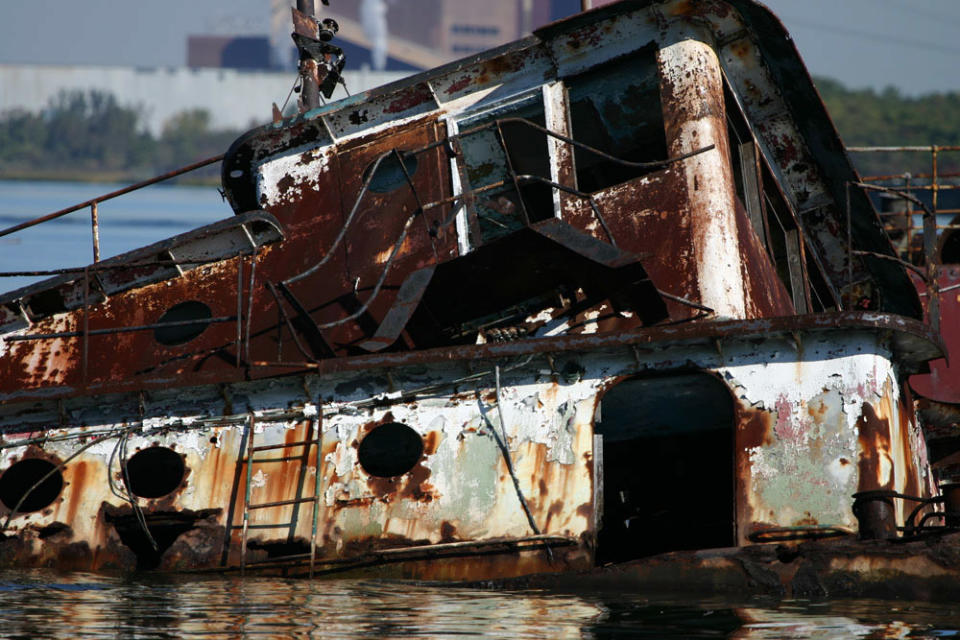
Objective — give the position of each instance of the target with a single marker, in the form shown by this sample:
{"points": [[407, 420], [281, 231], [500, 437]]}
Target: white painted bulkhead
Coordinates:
{"points": [[802, 470]]}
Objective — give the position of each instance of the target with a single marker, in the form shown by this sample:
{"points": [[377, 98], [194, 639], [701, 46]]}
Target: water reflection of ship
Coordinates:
{"points": [[608, 291]]}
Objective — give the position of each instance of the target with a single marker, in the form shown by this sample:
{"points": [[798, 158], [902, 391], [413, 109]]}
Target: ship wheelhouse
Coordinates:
{"points": [[602, 293]]}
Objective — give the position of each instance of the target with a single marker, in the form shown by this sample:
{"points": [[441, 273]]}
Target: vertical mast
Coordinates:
{"points": [[310, 92]]}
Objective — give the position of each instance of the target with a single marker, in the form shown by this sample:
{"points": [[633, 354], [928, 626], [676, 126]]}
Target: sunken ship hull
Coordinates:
{"points": [[596, 295]]}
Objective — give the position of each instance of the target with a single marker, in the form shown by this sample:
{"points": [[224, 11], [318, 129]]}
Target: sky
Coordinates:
{"points": [[908, 44]]}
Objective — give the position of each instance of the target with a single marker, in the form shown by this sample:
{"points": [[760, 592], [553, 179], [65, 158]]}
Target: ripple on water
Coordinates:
{"points": [[40, 604]]}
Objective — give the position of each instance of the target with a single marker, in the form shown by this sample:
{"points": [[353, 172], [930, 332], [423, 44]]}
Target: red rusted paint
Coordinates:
{"points": [[413, 97], [460, 84], [943, 382]]}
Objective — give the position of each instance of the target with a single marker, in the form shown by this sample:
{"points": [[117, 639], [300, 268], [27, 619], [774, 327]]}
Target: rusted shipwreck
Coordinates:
{"points": [[609, 291]]}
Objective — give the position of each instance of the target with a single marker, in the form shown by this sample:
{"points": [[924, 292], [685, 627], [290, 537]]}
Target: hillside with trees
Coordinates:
{"points": [[90, 136], [865, 117]]}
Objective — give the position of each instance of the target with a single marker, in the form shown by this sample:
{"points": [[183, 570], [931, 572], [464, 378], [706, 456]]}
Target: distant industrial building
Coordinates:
{"points": [[235, 99], [405, 35], [229, 52]]}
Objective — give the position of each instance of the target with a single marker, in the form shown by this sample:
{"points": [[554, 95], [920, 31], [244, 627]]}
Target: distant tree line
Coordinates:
{"points": [[865, 117], [89, 135]]}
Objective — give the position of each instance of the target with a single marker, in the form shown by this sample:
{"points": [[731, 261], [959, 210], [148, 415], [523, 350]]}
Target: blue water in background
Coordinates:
{"points": [[128, 222]]}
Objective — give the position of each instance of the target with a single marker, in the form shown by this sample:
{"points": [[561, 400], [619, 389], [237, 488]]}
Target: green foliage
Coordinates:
{"points": [[89, 133], [865, 117]]}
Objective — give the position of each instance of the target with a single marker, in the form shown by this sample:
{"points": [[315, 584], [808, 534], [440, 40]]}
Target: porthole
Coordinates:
{"points": [[390, 450], [183, 333], [389, 175], [16, 482], [154, 472]]}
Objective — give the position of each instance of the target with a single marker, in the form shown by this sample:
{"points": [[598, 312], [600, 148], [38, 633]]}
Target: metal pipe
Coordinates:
{"points": [[104, 332], [586, 5], [310, 91], [933, 180], [905, 148], [102, 267], [316, 489], [111, 195], [850, 301], [95, 223], [248, 490], [85, 346]]}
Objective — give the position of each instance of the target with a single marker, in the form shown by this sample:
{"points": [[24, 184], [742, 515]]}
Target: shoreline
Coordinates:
{"points": [[107, 177]]}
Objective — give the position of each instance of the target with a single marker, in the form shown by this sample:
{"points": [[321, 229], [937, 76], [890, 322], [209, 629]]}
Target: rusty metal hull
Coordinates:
{"points": [[819, 414], [923, 570], [515, 315]]}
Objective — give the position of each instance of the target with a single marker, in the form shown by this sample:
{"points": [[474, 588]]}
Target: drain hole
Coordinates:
{"points": [[390, 450], [155, 472], [183, 333], [16, 482]]}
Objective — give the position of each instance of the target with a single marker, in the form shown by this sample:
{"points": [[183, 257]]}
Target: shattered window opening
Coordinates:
{"points": [[785, 244], [499, 210], [744, 161], [390, 175], [772, 217], [616, 108]]}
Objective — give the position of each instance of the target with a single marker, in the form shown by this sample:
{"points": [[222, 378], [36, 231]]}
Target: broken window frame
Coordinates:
{"points": [[553, 100], [573, 180], [772, 216]]}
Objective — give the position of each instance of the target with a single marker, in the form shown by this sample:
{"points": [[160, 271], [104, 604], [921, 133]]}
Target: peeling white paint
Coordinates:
{"points": [[688, 68], [300, 169]]}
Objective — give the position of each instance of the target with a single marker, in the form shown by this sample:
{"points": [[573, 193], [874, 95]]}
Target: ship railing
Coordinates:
{"points": [[461, 201], [94, 204], [905, 220], [917, 223]]}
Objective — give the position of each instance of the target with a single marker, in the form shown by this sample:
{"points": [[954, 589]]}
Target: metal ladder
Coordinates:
{"points": [[313, 439]]}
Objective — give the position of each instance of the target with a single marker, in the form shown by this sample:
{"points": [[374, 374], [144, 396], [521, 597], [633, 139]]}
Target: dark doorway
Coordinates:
{"points": [[667, 466]]}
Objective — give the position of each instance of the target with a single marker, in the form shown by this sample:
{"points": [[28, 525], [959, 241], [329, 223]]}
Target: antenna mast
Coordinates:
{"points": [[321, 63]]}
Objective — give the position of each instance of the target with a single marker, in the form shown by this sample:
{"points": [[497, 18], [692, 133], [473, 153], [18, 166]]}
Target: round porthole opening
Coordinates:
{"points": [[389, 175], [17, 481], [195, 317], [390, 450], [154, 472]]}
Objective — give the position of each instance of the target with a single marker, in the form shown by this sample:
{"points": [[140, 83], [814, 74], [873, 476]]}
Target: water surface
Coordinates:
{"points": [[128, 222], [41, 604]]}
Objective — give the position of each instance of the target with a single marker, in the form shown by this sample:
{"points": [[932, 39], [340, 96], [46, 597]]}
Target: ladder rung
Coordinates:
{"points": [[280, 503], [285, 525], [268, 447], [259, 460]]}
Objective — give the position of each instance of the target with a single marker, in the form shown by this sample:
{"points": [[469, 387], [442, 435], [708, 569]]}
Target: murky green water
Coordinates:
{"points": [[39, 604]]}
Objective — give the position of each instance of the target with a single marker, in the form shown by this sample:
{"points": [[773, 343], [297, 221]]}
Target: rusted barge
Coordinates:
{"points": [[606, 292]]}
